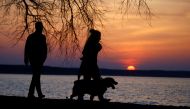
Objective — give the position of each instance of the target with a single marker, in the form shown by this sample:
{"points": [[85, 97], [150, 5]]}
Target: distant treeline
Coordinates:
{"points": [[21, 69]]}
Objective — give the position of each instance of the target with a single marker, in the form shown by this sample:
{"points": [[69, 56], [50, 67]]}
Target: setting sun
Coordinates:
{"points": [[131, 67]]}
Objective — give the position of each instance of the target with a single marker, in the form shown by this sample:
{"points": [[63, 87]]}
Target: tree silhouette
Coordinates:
{"points": [[64, 20]]}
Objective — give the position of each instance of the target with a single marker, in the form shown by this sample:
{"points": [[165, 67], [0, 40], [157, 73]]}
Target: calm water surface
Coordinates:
{"points": [[140, 90]]}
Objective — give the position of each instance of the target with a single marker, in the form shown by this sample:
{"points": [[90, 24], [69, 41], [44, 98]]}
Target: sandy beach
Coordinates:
{"points": [[23, 102]]}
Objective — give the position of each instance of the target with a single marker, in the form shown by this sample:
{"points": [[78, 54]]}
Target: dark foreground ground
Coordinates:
{"points": [[15, 102]]}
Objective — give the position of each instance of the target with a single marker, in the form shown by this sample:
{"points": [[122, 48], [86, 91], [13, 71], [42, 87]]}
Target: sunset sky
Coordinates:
{"points": [[163, 45]]}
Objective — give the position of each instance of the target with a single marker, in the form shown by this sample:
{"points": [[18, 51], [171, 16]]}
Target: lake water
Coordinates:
{"points": [[139, 90]]}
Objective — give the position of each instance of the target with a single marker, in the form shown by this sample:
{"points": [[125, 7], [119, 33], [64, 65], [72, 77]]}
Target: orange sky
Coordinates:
{"points": [[165, 44], [132, 41]]}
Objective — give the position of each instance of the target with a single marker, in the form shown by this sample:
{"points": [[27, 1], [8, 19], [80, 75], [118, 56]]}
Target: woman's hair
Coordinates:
{"points": [[95, 35], [95, 32], [93, 38]]}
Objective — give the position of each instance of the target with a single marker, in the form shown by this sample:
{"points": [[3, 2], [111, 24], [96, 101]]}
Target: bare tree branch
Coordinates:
{"points": [[141, 7], [63, 19]]}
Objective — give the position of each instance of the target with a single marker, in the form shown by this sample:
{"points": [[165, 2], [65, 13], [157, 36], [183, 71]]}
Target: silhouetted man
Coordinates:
{"points": [[35, 54]]}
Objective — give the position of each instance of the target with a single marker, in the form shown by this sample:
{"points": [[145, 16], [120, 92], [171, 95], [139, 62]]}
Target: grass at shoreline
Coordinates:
{"points": [[23, 102]]}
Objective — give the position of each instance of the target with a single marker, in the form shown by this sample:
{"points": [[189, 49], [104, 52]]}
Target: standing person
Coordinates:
{"points": [[35, 54], [89, 67]]}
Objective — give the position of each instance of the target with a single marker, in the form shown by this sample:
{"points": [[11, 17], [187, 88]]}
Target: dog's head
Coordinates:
{"points": [[109, 82]]}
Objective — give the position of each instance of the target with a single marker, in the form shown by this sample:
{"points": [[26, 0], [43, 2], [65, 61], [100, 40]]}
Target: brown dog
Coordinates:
{"points": [[93, 88]]}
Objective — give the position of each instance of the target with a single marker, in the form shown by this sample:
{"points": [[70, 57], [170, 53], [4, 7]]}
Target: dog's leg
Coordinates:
{"points": [[101, 98], [80, 97], [91, 97], [71, 97]]}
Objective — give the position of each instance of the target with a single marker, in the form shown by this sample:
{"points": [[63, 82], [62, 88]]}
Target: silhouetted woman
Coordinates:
{"points": [[35, 54], [89, 67]]}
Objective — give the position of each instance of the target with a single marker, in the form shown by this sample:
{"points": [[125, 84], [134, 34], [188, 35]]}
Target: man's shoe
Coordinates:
{"points": [[41, 96]]}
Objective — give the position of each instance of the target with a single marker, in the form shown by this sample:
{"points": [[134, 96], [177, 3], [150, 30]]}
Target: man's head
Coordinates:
{"points": [[39, 26]]}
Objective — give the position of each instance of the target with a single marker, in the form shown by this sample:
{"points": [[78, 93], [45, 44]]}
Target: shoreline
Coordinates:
{"points": [[48, 70], [23, 102]]}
